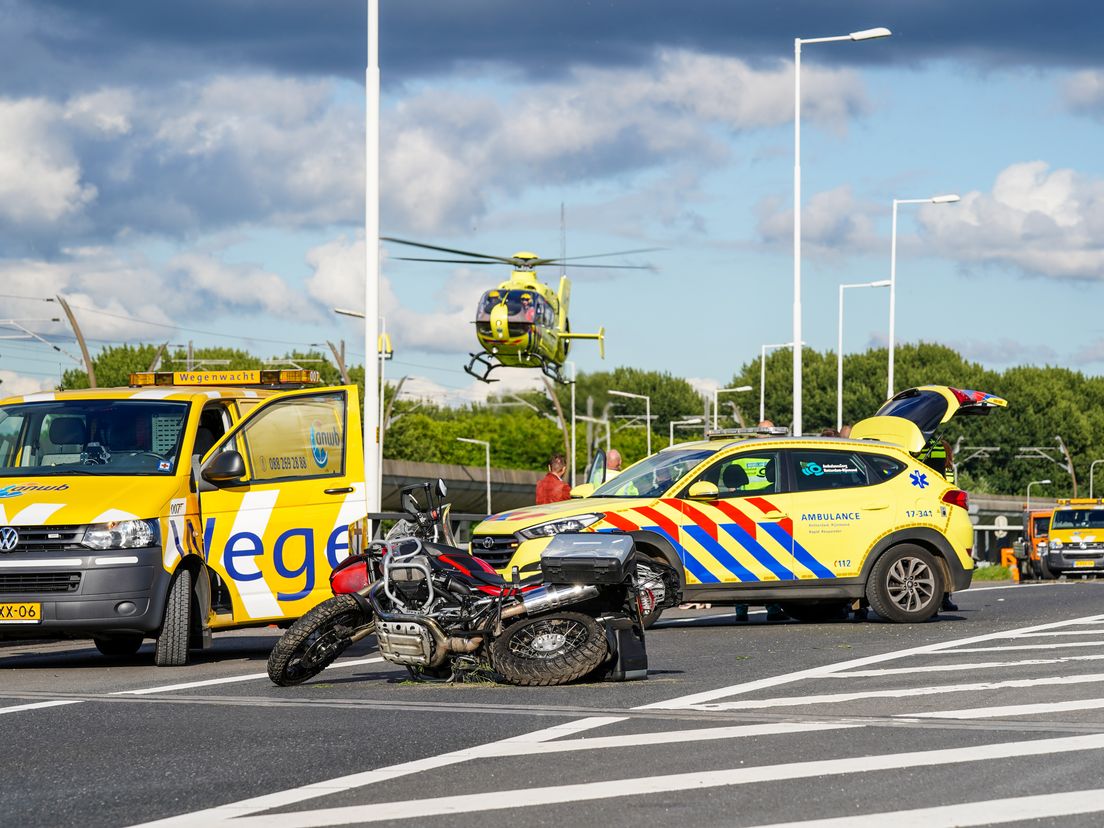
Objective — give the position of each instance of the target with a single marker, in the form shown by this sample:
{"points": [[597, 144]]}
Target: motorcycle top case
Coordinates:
{"points": [[588, 558]]}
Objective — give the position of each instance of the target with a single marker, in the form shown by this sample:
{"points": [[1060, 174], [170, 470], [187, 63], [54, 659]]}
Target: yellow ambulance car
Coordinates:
{"points": [[187, 503]]}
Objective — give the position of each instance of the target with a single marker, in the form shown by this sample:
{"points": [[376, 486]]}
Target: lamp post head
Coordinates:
{"points": [[950, 198], [881, 283], [1043, 481], [870, 34]]}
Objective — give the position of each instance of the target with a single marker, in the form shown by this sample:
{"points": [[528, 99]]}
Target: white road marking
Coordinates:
{"points": [[668, 737], [643, 786], [898, 693], [828, 669], [1008, 710], [37, 706], [1054, 645], [169, 688], [957, 668], [1058, 632], [227, 813], [990, 812]]}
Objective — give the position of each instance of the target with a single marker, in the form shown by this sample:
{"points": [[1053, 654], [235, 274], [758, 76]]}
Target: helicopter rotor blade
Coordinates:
{"points": [[597, 256], [501, 259], [614, 267], [447, 261]]}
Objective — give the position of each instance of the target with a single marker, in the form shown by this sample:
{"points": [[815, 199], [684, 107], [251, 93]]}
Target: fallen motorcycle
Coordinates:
{"points": [[445, 615]]}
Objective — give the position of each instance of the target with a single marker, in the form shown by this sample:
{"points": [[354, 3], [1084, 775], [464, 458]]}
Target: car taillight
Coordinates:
{"points": [[956, 497]]}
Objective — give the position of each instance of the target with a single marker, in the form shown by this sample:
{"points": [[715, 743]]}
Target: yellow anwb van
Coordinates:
{"points": [[187, 503]]}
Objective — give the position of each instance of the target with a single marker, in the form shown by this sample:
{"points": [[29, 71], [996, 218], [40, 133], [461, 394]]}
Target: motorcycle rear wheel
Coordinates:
{"points": [[549, 649], [311, 644]]}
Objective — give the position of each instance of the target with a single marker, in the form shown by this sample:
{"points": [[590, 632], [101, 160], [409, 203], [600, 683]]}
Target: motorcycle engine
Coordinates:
{"points": [[407, 583]]}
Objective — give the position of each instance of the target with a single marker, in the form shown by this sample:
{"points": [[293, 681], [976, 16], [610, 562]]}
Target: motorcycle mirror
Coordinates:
{"points": [[409, 504], [442, 490], [515, 575]]}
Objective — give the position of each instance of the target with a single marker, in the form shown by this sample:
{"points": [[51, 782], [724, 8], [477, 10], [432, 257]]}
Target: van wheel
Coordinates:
{"points": [[172, 643], [120, 646], [906, 585], [1045, 572]]}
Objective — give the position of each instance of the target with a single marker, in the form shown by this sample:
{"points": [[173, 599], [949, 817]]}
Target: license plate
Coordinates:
{"points": [[20, 613], [1089, 564]]}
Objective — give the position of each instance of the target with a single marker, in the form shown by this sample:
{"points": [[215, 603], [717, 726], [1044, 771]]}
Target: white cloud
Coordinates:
{"points": [[445, 152], [40, 175], [13, 384], [1042, 222], [833, 221], [1083, 92]]}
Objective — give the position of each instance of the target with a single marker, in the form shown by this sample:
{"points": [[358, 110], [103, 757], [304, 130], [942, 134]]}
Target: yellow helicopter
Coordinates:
{"points": [[522, 323]]}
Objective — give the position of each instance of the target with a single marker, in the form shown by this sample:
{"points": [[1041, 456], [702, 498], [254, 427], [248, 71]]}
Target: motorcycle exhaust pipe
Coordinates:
{"points": [[444, 645], [548, 597]]}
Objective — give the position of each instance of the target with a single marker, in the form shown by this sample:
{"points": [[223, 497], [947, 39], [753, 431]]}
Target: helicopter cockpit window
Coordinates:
{"points": [[521, 306]]}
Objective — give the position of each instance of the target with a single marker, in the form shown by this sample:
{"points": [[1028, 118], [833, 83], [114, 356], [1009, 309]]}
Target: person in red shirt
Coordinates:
{"points": [[552, 488]]}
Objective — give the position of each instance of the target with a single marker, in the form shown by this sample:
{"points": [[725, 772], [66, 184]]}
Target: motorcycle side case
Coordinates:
{"points": [[629, 656], [588, 558]]}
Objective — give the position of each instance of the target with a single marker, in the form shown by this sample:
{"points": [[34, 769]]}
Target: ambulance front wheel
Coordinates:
{"points": [[172, 643], [906, 584]]}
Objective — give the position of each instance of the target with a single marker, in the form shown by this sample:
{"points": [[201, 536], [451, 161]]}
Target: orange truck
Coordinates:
{"points": [[1031, 550]]}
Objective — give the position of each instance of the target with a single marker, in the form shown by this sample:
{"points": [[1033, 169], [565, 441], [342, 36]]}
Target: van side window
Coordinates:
{"points": [[297, 438]]}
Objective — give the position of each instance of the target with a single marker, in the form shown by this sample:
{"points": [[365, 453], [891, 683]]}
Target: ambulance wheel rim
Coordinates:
{"points": [[910, 583]]}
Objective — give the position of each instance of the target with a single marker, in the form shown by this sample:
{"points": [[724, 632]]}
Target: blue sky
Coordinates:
{"points": [[197, 173]]}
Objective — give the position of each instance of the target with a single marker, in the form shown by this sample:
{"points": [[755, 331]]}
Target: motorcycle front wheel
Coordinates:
{"points": [[311, 644], [550, 649]]}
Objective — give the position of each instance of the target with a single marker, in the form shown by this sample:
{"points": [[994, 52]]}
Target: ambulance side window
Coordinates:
{"points": [[747, 474], [298, 438], [817, 470]]}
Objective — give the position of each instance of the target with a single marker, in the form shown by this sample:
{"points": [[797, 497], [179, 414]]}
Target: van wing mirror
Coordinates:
{"points": [[224, 468]]}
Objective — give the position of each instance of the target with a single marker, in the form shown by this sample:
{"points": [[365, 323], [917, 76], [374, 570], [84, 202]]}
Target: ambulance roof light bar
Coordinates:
{"points": [[754, 431], [237, 377]]}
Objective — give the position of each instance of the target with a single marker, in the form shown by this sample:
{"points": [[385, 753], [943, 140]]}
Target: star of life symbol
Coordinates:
{"points": [[919, 479], [9, 539]]}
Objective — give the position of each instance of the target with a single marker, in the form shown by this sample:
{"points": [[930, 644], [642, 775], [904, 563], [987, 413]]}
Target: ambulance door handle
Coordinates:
{"points": [[878, 507], [773, 517], [344, 490]]}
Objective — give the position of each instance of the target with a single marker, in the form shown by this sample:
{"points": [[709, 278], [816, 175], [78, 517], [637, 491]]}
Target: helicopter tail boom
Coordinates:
{"points": [[600, 336]]}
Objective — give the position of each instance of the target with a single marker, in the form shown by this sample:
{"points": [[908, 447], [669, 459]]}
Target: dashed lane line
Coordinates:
{"points": [[1007, 710], [21, 708], [964, 814], [169, 688], [1054, 645]]}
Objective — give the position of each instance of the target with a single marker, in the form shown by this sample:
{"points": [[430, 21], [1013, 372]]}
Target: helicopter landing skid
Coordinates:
{"points": [[482, 361], [552, 371]]}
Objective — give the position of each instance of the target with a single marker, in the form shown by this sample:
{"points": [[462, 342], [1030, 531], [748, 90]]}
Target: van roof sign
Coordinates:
{"points": [[248, 376]]}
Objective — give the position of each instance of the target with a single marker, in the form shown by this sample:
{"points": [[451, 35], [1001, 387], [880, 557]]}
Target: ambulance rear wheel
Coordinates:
{"points": [[906, 584], [172, 643], [122, 646]]}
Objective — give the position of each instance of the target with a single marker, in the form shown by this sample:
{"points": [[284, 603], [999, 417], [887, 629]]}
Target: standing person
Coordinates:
{"points": [[613, 464], [845, 430], [551, 488]]}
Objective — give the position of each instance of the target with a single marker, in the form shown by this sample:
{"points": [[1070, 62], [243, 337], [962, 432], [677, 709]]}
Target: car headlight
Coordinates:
{"points": [[554, 527], [121, 534], [1055, 544]]}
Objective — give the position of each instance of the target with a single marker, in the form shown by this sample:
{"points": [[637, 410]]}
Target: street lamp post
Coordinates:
{"points": [[487, 453], [763, 375], [839, 347], [950, 198], [718, 391], [866, 34], [1029, 485], [371, 436], [572, 364], [673, 423], [1092, 467], [647, 413]]}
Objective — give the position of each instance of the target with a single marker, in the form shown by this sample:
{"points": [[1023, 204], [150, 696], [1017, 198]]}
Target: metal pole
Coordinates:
{"points": [[796, 245], [371, 261], [762, 383], [487, 453], [573, 374], [716, 393], [382, 347], [648, 423], [892, 296], [1092, 469], [839, 365]]}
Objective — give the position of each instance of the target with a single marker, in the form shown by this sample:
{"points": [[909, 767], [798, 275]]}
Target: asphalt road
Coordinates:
{"points": [[989, 715]]}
